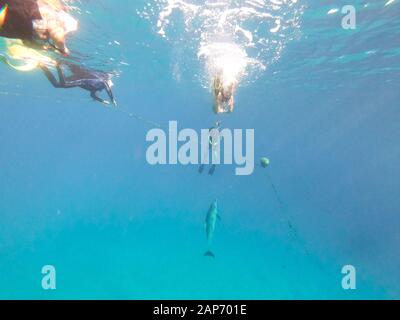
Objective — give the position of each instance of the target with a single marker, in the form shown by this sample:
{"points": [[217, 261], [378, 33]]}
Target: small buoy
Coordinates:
{"points": [[265, 162]]}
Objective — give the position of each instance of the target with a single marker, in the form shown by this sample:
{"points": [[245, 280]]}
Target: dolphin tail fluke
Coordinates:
{"points": [[209, 254]]}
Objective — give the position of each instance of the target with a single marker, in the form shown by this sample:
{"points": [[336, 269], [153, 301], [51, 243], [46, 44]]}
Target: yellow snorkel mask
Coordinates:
{"points": [[23, 58]]}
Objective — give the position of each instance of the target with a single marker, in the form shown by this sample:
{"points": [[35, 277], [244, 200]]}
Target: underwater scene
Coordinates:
{"points": [[199, 149]]}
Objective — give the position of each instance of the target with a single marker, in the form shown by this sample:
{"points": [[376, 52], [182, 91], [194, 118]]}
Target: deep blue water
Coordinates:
{"points": [[76, 191]]}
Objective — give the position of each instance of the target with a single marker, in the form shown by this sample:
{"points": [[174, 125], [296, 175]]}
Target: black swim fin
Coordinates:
{"points": [[201, 168], [212, 170], [209, 254]]}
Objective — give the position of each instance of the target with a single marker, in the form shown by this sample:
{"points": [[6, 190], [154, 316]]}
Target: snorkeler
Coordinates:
{"points": [[91, 80], [223, 96], [213, 145], [40, 23]]}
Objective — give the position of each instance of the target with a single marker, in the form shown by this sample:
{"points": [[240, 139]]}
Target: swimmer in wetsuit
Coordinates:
{"points": [[38, 23], [91, 80], [213, 147]]}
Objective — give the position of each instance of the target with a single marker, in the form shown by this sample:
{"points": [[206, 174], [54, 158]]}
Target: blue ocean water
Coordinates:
{"points": [[76, 191]]}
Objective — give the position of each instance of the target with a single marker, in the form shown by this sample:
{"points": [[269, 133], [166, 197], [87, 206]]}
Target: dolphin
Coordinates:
{"points": [[211, 220]]}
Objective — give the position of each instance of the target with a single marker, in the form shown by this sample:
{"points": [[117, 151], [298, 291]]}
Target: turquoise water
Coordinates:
{"points": [[76, 191]]}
